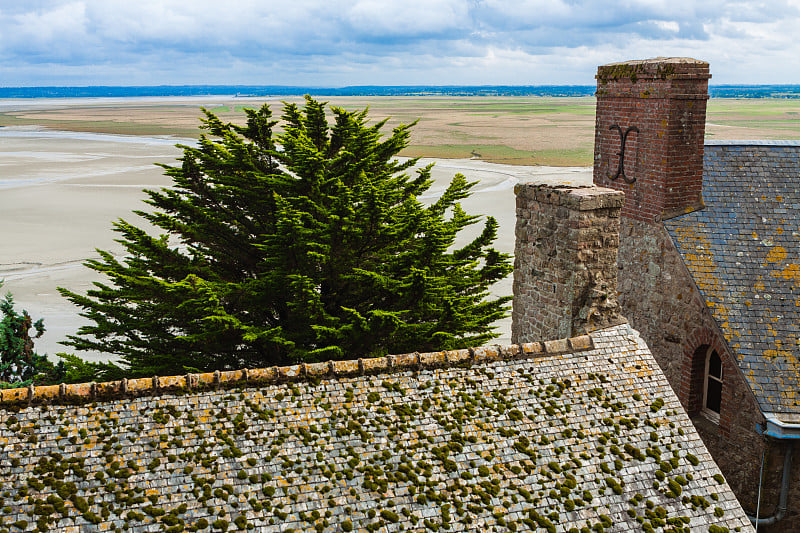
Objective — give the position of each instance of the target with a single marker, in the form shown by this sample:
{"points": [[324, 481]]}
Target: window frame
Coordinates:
{"points": [[710, 414]]}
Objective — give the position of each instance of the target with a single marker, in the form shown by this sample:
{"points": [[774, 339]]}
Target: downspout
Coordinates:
{"points": [[781, 512], [789, 434]]}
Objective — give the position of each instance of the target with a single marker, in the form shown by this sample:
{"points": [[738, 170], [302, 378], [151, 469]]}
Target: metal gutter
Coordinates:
{"points": [[778, 429]]}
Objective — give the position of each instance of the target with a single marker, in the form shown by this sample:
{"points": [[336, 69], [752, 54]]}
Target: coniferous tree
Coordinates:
{"points": [[19, 364], [306, 245]]}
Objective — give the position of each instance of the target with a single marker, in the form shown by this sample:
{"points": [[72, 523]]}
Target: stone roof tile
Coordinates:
{"points": [[743, 251], [520, 441]]}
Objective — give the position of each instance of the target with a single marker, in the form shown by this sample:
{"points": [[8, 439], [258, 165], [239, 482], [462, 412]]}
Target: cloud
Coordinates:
{"points": [[406, 20], [32, 34], [338, 42]]}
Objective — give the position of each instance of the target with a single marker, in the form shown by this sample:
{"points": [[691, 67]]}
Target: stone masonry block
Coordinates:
{"points": [[584, 342], [317, 370], [290, 373], [201, 380], [13, 395], [556, 346], [263, 375], [455, 357], [406, 360], [346, 368], [486, 353], [135, 386], [172, 382], [230, 376], [45, 394], [532, 348], [373, 365], [434, 359], [109, 389], [509, 350]]}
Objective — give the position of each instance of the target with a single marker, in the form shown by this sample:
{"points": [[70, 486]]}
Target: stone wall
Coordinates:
{"points": [[565, 261], [649, 144], [661, 301]]}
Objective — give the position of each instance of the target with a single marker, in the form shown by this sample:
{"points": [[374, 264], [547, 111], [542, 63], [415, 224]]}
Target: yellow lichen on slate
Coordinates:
{"points": [[776, 254], [790, 272], [705, 275]]}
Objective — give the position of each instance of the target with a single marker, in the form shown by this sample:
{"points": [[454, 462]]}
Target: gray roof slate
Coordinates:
{"points": [[743, 251], [493, 440]]}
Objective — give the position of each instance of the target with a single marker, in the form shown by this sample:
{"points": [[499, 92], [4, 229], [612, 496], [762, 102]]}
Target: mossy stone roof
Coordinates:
{"points": [[743, 251], [591, 437]]}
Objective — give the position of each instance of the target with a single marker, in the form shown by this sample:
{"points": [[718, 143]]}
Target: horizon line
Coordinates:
{"points": [[334, 87]]}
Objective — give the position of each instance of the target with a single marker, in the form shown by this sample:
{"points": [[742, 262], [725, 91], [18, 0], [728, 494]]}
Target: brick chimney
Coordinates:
{"points": [[649, 134], [565, 266]]}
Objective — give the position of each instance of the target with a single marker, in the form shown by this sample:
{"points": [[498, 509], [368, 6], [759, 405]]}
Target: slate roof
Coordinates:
{"points": [[743, 251], [582, 433]]}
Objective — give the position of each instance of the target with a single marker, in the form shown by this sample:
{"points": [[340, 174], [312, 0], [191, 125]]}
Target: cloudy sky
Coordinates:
{"points": [[386, 42]]}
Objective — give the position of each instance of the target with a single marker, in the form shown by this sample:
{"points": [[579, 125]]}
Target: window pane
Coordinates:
{"points": [[713, 395], [715, 365]]}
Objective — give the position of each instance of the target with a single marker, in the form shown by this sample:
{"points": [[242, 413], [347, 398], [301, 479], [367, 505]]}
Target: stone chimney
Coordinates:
{"points": [[565, 267], [649, 132]]}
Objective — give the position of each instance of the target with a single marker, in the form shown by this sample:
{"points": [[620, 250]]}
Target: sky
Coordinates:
{"points": [[334, 43]]}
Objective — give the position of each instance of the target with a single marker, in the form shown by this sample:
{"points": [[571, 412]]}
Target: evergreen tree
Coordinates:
{"points": [[19, 364], [305, 245]]}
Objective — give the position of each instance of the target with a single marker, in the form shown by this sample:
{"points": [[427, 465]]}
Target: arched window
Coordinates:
{"points": [[712, 386]]}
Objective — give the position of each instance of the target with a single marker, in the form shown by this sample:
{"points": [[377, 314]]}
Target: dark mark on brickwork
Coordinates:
{"points": [[623, 136]]}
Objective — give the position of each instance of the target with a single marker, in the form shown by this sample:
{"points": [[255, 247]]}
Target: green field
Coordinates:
{"points": [[514, 130], [762, 118]]}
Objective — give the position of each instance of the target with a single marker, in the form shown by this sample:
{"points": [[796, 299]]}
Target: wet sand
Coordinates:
{"points": [[60, 191]]}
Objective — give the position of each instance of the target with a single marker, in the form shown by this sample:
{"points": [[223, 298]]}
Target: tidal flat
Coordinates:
{"points": [[70, 167], [60, 191]]}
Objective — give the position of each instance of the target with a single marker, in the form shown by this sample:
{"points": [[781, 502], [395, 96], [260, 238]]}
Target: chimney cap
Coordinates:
{"points": [[578, 198], [656, 67]]}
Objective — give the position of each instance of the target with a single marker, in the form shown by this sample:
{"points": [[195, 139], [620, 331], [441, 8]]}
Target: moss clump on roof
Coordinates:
{"points": [[460, 448]]}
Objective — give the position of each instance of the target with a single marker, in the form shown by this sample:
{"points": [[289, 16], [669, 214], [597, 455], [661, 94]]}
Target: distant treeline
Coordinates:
{"points": [[716, 91]]}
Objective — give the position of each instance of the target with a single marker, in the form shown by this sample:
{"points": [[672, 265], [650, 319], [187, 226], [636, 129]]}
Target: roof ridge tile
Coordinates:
{"points": [[156, 385]]}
